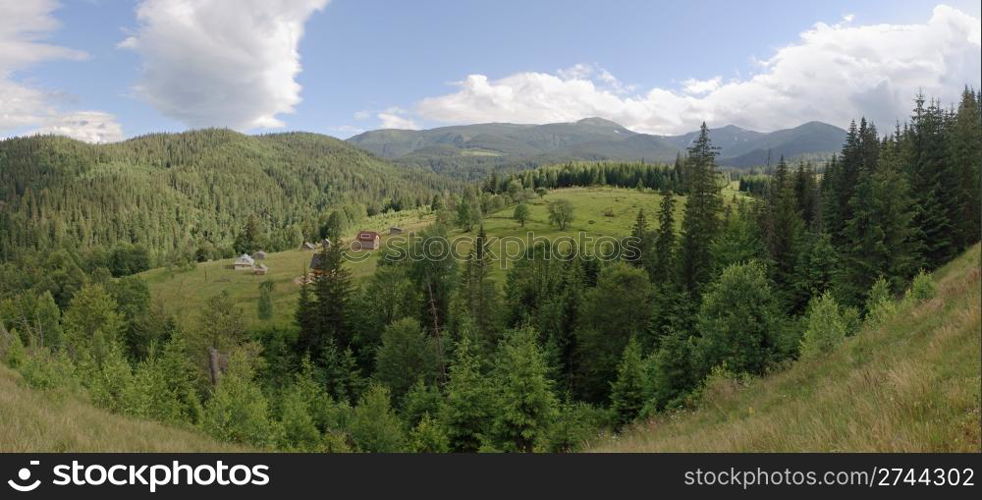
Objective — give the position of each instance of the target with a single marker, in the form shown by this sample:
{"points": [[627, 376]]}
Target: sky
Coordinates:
{"points": [[106, 70]]}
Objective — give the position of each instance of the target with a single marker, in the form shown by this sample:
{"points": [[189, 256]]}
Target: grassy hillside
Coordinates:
{"points": [[909, 385], [598, 212], [39, 421]]}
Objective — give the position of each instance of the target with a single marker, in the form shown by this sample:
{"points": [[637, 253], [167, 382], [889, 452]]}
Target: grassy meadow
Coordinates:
{"points": [[598, 211], [910, 385]]}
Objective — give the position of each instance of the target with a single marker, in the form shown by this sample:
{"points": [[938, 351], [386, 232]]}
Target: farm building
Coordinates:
{"points": [[260, 255], [368, 240], [325, 243], [260, 269], [244, 263], [309, 246]]}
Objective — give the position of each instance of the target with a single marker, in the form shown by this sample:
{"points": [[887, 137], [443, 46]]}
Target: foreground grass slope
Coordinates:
{"points": [[911, 384], [39, 421]]}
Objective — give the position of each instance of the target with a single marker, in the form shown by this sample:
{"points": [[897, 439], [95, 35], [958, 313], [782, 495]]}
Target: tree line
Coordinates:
{"points": [[433, 355]]}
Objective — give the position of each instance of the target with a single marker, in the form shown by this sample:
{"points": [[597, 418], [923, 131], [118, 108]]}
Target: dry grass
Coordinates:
{"points": [[910, 385], [39, 421]]}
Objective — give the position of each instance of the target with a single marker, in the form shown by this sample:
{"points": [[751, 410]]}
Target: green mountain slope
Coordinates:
{"points": [[909, 385], [173, 192], [472, 150], [36, 421]]}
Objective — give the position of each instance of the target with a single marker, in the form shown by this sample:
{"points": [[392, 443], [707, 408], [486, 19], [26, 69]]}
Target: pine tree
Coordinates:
{"points": [[332, 289], [783, 225], [628, 392], [476, 288], [524, 400], [613, 312], [932, 219], [405, 356], [700, 225], [671, 371], [879, 238], [467, 410], [964, 157]]}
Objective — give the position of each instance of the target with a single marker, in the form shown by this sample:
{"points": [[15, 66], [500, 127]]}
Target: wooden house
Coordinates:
{"points": [[244, 263], [368, 240]]}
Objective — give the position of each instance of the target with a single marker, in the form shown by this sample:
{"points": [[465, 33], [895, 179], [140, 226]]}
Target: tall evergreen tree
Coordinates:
{"points": [[628, 393], [964, 158], [525, 404], [702, 208]]}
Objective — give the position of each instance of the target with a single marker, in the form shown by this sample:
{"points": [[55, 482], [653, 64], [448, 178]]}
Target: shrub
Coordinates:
{"points": [[825, 328], [922, 288]]}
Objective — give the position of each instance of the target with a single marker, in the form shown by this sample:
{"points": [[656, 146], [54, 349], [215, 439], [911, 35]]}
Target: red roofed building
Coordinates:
{"points": [[368, 240]]}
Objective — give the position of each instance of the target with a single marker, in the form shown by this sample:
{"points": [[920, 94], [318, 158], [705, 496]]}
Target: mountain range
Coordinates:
{"points": [[468, 150]]}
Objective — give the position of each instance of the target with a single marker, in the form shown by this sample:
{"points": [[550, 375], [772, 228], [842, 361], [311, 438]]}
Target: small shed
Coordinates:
{"points": [[368, 240], [395, 230], [244, 263], [260, 269], [260, 255], [326, 243], [309, 246]]}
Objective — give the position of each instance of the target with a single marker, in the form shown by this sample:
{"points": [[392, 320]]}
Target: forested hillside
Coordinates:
{"points": [[176, 198], [584, 336]]}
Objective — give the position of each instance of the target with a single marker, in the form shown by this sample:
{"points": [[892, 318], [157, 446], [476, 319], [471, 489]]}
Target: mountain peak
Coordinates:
{"points": [[597, 121]]}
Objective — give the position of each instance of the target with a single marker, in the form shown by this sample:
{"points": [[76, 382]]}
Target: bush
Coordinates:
{"points": [[922, 288], [825, 328]]}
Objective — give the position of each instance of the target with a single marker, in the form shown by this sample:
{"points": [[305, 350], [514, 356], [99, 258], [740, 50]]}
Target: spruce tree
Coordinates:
{"points": [[700, 224], [628, 393], [525, 404], [467, 410]]}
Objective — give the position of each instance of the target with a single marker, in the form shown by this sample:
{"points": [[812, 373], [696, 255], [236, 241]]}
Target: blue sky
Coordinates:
{"points": [[653, 66]]}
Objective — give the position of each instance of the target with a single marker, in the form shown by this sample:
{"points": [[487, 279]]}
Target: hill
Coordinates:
{"points": [[470, 151], [37, 421], [174, 193], [909, 385]]}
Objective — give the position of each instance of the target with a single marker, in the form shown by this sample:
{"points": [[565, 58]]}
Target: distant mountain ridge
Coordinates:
{"points": [[592, 139]]}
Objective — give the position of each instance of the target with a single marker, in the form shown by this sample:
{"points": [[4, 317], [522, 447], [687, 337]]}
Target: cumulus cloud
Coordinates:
{"points": [[221, 62], [88, 126], [832, 73], [395, 118], [697, 87], [24, 26]]}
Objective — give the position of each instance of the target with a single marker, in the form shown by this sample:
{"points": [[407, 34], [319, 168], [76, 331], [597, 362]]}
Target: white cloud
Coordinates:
{"points": [[88, 126], [697, 87], [395, 119], [221, 62], [832, 73], [23, 29]]}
